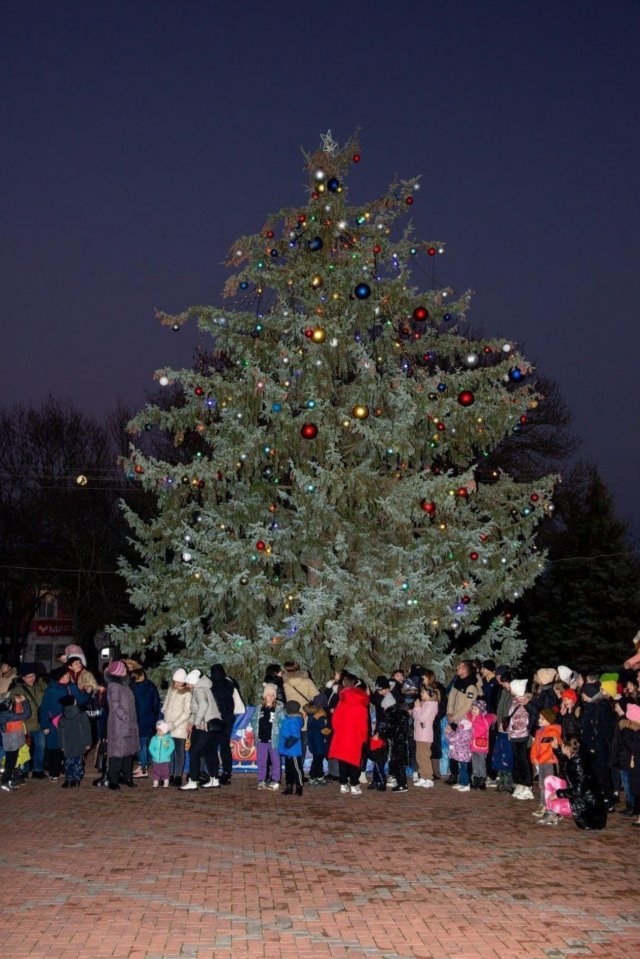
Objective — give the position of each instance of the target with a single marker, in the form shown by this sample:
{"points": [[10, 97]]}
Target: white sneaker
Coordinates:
{"points": [[457, 787], [262, 784], [344, 788], [526, 793], [190, 784], [516, 792], [427, 783], [492, 784], [356, 791], [419, 782], [274, 785], [363, 779], [155, 783], [462, 789], [392, 781], [212, 784]]}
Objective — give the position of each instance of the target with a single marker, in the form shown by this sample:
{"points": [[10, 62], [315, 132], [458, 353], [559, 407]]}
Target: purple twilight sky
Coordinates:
{"points": [[141, 137]]}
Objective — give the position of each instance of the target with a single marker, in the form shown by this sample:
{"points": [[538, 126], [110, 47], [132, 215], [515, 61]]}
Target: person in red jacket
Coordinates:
{"points": [[350, 732]]}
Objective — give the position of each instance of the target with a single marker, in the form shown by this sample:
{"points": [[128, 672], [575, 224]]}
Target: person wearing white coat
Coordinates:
{"points": [[176, 710]]}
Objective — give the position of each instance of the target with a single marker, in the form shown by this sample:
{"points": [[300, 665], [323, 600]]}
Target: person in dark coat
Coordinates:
{"points": [[148, 711], [222, 687], [274, 674], [597, 731], [74, 732], [49, 714], [123, 741], [588, 807]]}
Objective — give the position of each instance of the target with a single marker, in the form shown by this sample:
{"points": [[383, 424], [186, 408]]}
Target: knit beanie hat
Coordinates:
{"points": [[180, 675], [609, 683], [320, 701], [518, 687], [192, 678], [162, 727], [26, 669], [632, 713], [116, 668], [590, 690], [549, 715], [480, 705], [72, 650], [502, 671], [490, 665], [382, 682], [567, 675], [292, 707], [569, 694], [545, 676]]}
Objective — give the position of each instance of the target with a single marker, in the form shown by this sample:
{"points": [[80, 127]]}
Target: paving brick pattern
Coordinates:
{"points": [[142, 874]]}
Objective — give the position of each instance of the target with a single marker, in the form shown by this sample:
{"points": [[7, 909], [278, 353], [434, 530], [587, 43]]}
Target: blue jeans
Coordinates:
{"points": [[38, 740], [626, 785], [143, 753], [463, 774]]}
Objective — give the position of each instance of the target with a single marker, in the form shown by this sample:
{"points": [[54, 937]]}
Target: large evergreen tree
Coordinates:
{"points": [[585, 609], [327, 499]]}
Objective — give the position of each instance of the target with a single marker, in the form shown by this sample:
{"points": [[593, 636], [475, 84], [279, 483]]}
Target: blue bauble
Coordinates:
{"points": [[333, 184], [516, 374], [362, 291], [315, 244], [441, 387], [274, 253], [244, 285], [447, 317], [276, 407]]}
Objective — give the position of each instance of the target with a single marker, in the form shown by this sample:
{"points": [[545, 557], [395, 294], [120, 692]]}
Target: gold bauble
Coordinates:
{"points": [[316, 281], [360, 411], [319, 335]]}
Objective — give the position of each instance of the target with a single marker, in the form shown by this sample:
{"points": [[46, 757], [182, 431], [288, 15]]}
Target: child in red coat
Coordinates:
{"points": [[481, 723]]}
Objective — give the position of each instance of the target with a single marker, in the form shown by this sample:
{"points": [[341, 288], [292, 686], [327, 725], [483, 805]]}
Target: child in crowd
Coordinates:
{"points": [[424, 713], [397, 733], [481, 723], [318, 733], [290, 746], [627, 759], [74, 734], [460, 736], [587, 805], [12, 719], [161, 750], [518, 733], [542, 755], [266, 723]]}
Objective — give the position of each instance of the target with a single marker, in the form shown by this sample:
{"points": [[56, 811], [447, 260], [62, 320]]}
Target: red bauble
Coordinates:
{"points": [[466, 600], [463, 491], [420, 313], [309, 431], [138, 469], [356, 158], [377, 249], [466, 398], [523, 420], [200, 484], [308, 332], [199, 391], [474, 556], [484, 537], [302, 218], [487, 349], [441, 427], [432, 251], [315, 196], [270, 234], [261, 545], [428, 507], [534, 497], [409, 200]]}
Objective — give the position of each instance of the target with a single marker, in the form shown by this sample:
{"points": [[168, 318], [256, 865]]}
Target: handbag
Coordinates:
{"points": [[215, 725]]}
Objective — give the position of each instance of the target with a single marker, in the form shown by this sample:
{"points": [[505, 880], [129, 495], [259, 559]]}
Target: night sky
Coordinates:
{"points": [[139, 138]]}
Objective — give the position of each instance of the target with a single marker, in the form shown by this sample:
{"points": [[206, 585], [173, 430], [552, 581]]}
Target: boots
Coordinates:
{"points": [[298, 790], [288, 790], [482, 783], [474, 782]]}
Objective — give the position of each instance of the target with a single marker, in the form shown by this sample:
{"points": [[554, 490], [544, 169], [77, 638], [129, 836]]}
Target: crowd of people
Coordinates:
{"points": [[573, 735]]}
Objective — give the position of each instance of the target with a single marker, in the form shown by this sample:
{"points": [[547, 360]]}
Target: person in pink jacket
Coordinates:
{"points": [[481, 722], [424, 714]]}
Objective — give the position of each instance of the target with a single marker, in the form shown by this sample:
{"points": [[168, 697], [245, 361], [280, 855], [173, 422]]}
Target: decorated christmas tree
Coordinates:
{"points": [[329, 495]]}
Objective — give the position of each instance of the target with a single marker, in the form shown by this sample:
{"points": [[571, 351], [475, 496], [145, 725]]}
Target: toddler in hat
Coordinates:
{"points": [[161, 749]]}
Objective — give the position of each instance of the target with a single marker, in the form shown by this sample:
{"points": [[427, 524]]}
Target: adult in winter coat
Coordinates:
{"points": [[148, 711], [123, 740], [32, 687], [627, 758], [301, 689], [597, 731], [176, 710], [204, 720], [49, 713], [464, 691], [226, 694], [544, 695], [587, 805], [74, 731], [350, 732]]}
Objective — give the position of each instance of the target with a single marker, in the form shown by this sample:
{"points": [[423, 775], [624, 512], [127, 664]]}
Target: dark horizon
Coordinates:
{"points": [[142, 140]]}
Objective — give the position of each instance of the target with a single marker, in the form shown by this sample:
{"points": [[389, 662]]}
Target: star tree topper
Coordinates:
{"points": [[329, 145]]}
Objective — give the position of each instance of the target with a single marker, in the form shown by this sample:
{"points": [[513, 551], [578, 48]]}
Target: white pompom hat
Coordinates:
{"points": [[180, 675], [518, 687], [193, 677]]}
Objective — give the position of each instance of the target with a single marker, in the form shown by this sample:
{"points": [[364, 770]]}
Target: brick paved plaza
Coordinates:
{"points": [[236, 873]]}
